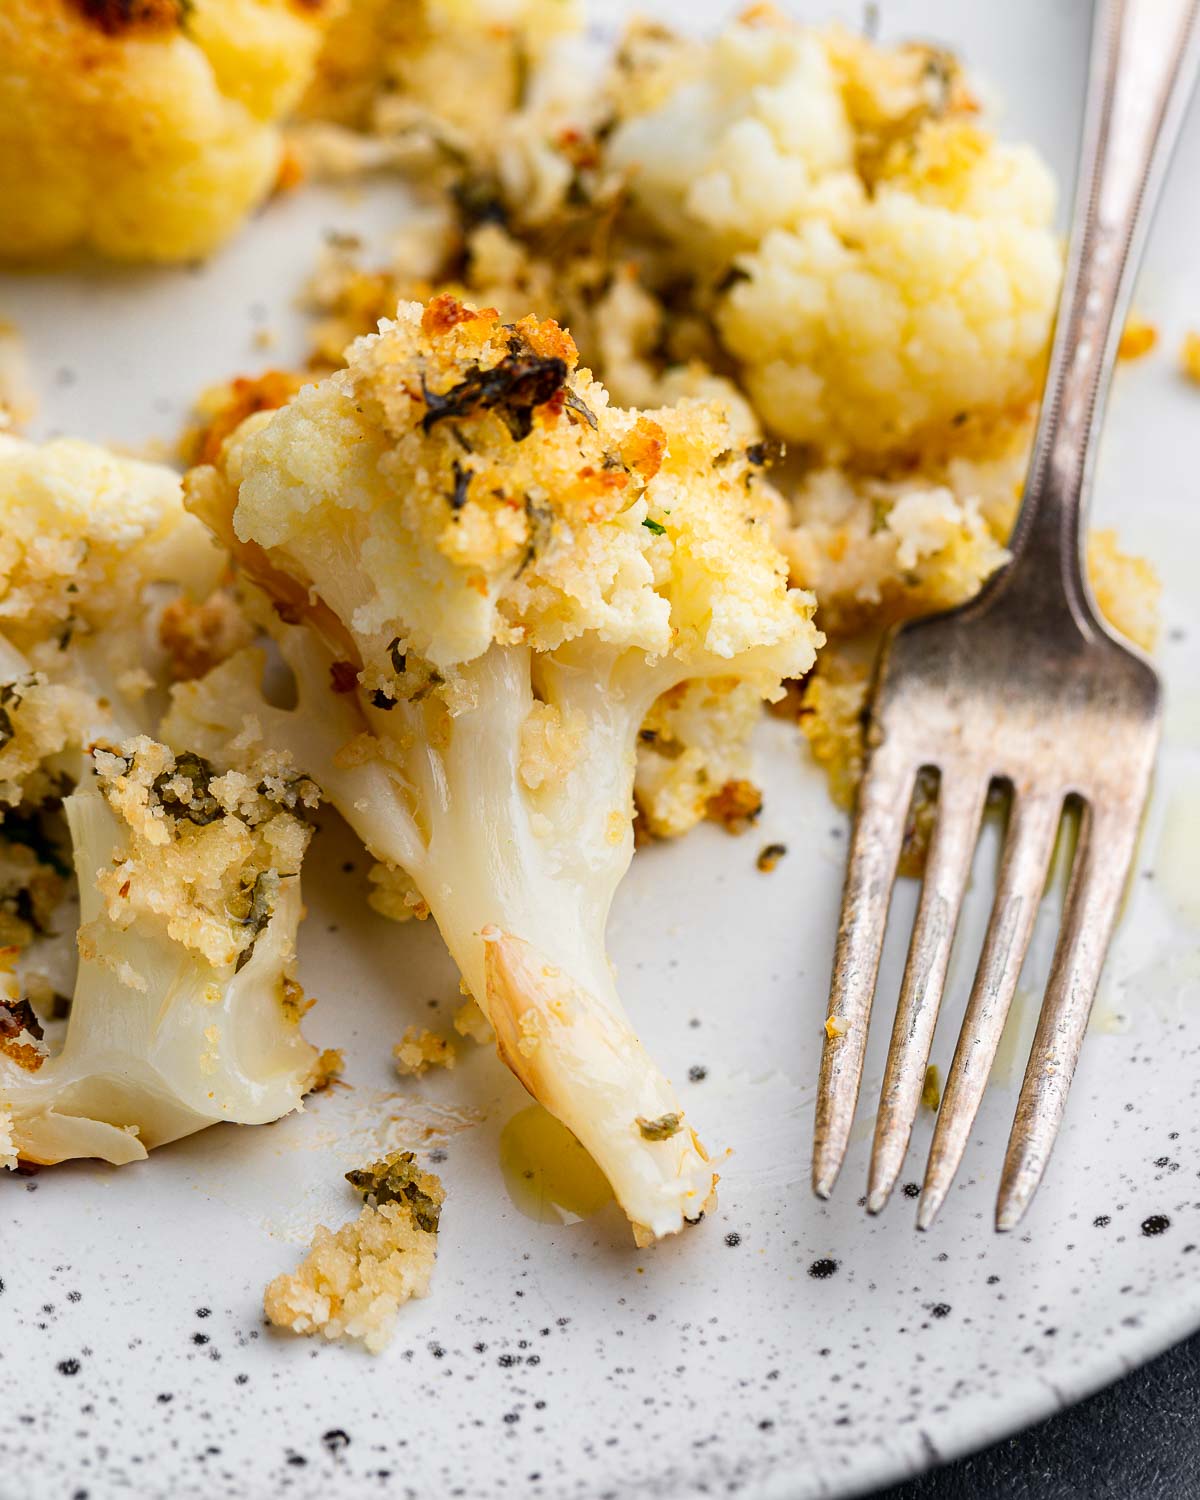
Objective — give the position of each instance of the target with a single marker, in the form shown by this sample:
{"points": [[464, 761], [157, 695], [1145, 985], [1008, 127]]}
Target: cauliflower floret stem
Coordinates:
{"points": [[520, 882], [160, 1042]]}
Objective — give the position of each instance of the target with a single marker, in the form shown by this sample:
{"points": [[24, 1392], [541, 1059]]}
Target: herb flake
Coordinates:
{"points": [[660, 1129], [513, 389], [397, 1179]]}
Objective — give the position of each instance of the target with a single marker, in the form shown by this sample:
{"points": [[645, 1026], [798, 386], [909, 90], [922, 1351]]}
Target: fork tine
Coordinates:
{"points": [[1098, 874], [1028, 848], [883, 798], [961, 797]]}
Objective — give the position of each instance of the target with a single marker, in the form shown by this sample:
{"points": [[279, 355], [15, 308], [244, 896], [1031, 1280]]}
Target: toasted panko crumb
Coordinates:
{"points": [[1189, 356], [831, 709], [205, 852], [769, 857], [222, 409], [393, 894], [353, 1280], [695, 738], [330, 1065], [735, 806], [198, 635], [420, 1050], [1137, 338], [1127, 588], [470, 1021], [30, 889]]}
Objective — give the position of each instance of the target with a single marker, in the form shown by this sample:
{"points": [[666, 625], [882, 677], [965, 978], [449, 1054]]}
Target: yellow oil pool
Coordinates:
{"points": [[548, 1174]]}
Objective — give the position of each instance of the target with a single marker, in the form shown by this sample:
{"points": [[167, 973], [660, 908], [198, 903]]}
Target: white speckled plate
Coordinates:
{"points": [[784, 1348]]}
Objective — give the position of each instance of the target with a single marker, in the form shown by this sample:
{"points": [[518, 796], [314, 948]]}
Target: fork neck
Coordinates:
{"points": [[1144, 60]]}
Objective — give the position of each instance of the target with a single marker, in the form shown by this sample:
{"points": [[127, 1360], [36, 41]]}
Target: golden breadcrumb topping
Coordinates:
{"points": [[1189, 356], [354, 1279], [831, 706], [198, 634], [648, 530], [84, 532], [419, 1050], [207, 853], [32, 882], [394, 895], [470, 1022], [223, 408]]}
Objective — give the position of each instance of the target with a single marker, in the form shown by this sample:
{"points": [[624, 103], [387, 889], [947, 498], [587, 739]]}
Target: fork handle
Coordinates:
{"points": [[1145, 56]]}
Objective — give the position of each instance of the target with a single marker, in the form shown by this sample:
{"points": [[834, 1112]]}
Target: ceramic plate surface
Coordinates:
{"points": [[783, 1348]]}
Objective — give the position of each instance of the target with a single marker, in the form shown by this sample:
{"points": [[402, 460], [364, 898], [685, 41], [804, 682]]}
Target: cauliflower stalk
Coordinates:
{"points": [[184, 1012], [491, 576]]}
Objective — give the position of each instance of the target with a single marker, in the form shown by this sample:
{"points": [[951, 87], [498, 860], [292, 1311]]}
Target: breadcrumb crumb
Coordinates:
{"points": [[354, 1279], [470, 1021], [1189, 356], [769, 857], [421, 1050], [736, 806], [1137, 338], [329, 1066]]}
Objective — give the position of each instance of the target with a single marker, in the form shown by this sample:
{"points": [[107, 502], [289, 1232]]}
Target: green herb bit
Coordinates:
{"points": [[661, 1129], [200, 806], [263, 895], [462, 484], [655, 526], [577, 404], [397, 1179], [513, 388]]}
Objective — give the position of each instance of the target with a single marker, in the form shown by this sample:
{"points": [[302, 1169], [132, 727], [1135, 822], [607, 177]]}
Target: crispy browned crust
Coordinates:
{"points": [[118, 18], [735, 806], [247, 394]]}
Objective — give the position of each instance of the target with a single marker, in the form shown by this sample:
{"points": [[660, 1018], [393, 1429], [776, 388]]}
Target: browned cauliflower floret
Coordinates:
{"points": [[144, 129], [184, 1008], [87, 542], [494, 574]]}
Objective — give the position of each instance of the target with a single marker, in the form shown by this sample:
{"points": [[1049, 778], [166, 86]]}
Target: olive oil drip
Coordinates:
{"points": [[548, 1174]]}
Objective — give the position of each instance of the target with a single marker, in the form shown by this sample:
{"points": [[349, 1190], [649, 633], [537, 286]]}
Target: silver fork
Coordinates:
{"points": [[1025, 686]]}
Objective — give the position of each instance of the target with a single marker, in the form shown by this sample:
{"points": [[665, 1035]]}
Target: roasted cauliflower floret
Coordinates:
{"points": [[493, 575], [881, 264], [185, 1011], [876, 549], [450, 71], [94, 549], [144, 129]]}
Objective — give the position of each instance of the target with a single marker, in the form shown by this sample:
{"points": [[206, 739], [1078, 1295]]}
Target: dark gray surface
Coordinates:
{"points": [[1137, 1440]]}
